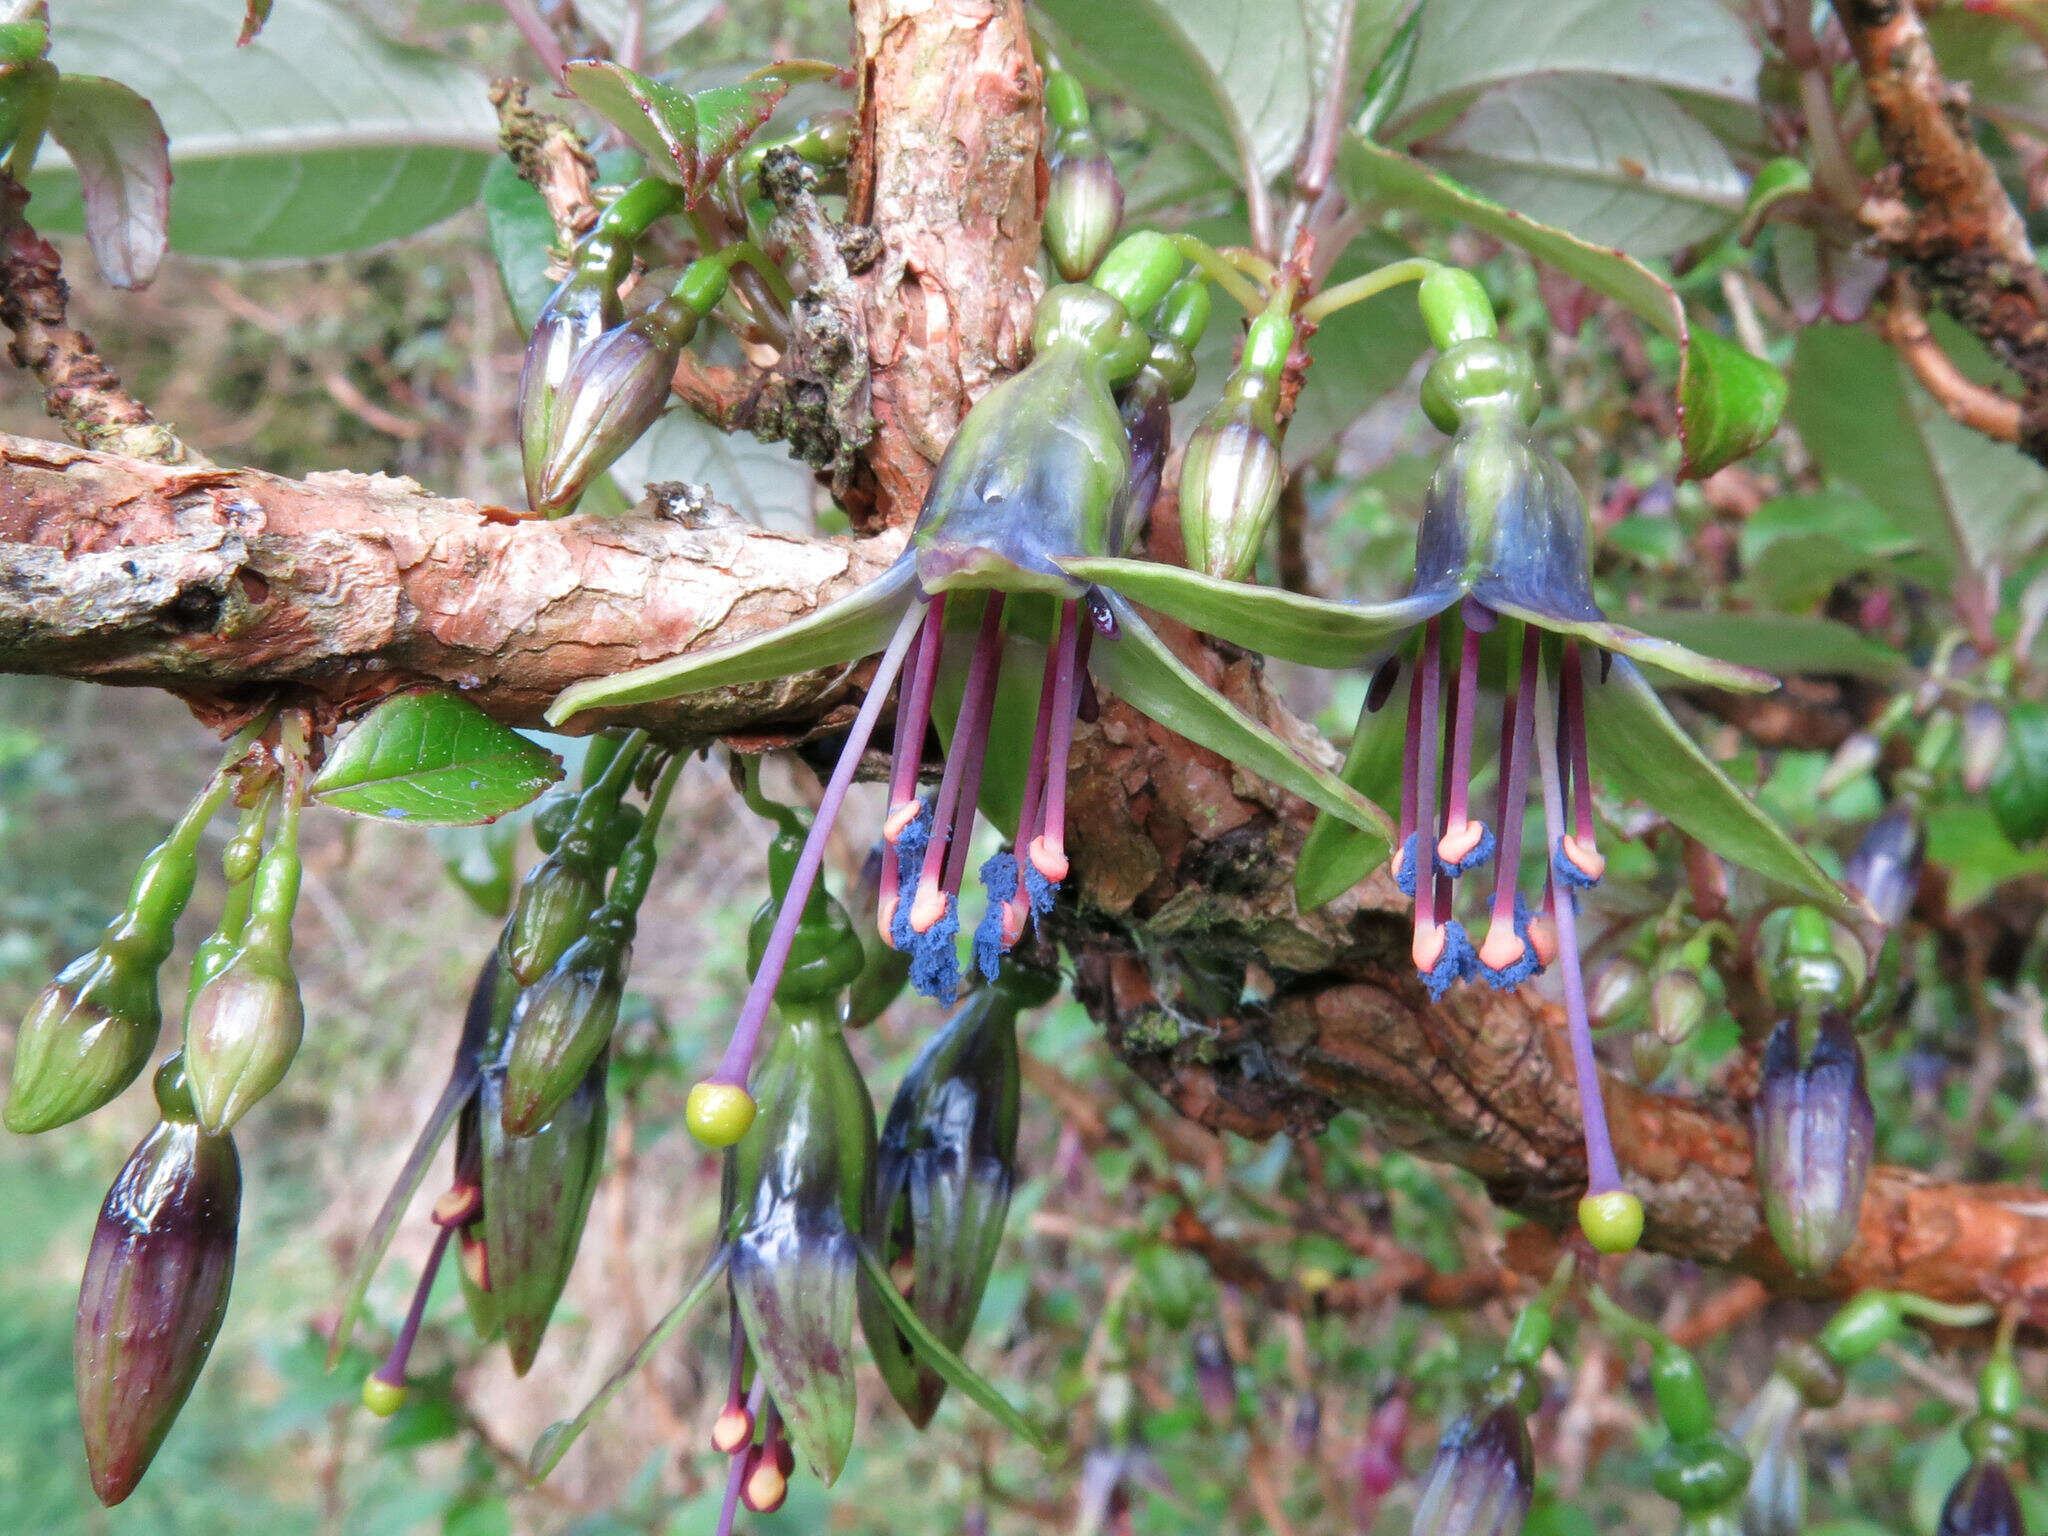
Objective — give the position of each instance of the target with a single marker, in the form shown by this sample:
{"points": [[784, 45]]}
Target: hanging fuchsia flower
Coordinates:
{"points": [[1503, 587], [1040, 473]]}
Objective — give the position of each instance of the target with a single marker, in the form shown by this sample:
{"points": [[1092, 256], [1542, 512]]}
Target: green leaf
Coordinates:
{"points": [[1309, 630], [955, 1372], [555, 1440], [1955, 491], [1727, 406], [843, 631], [1466, 45], [123, 161], [1232, 76], [1140, 670], [1374, 26], [686, 137], [1784, 643], [1336, 855], [1795, 549], [318, 137], [2019, 790], [1964, 838], [1615, 162], [522, 233], [1643, 753], [663, 23], [1361, 353], [1653, 649], [433, 759], [759, 480]]}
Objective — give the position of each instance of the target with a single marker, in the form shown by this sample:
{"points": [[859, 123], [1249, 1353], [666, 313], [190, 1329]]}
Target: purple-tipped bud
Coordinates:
{"points": [[1856, 756], [1230, 479], [1678, 1005], [1215, 1376], [582, 308], [1814, 1128], [155, 1291], [1983, 745], [1482, 1480], [83, 1042], [1084, 203], [560, 1026], [1982, 1504], [242, 1029], [614, 390], [1769, 1428], [1885, 868]]}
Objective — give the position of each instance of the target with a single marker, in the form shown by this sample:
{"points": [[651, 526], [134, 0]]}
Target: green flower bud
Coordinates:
{"points": [[614, 390], [1811, 962], [242, 1030], [155, 1290], [1477, 374], [1230, 480], [1701, 1476], [563, 1021], [1084, 203], [582, 308], [1678, 1006]]}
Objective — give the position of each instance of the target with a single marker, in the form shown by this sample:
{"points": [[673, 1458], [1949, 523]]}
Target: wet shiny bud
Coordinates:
{"points": [[1885, 868], [155, 1291], [582, 308], [1814, 1129], [1678, 1006], [1810, 961], [84, 1041], [1474, 375], [1482, 1479], [1982, 1504], [561, 1024], [614, 390], [945, 1168], [549, 913], [1612, 1221], [1700, 1475], [718, 1114], [1984, 734], [242, 1030], [1231, 475], [1215, 1376], [1084, 203]]}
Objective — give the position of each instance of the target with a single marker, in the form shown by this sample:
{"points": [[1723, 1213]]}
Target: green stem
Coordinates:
{"points": [[785, 818], [750, 253], [1357, 290], [1945, 1314], [1220, 270]]}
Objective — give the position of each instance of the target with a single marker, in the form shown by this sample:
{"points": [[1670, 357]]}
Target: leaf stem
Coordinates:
{"points": [[1224, 272], [1411, 269]]}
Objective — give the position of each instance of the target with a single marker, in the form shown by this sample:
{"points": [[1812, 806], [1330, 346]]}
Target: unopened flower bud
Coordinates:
{"points": [[1982, 1504], [1811, 961], [562, 1023], [1620, 986], [1649, 1054], [1678, 1005], [1230, 480], [1885, 868], [1084, 201], [1215, 1376], [550, 910], [1856, 756], [1482, 1479], [1814, 1129], [1983, 745], [242, 1030], [1379, 1457], [155, 1291], [1775, 1503], [83, 1042], [582, 308], [614, 390]]}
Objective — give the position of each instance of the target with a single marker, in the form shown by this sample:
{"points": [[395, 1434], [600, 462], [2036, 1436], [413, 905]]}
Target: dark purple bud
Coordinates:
{"points": [[614, 390], [1084, 203], [1982, 1504], [1885, 868], [1215, 1376], [1814, 1128], [155, 1291], [1482, 1479]]}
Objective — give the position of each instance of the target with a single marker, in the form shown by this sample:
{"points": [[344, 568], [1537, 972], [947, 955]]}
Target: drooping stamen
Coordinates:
{"points": [[1507, 958], [953, 820], [1047, 852], [1411, 780], [733, 1430], [1429, 947], [1603, 1174], [1002, 873], [1467, 842], [728, 1509], [391, 1374], [1580, 862], [913, 715], [738, 1059]]}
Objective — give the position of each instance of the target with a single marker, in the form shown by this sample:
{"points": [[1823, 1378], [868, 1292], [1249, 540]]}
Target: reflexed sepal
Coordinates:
{"points": [[1815, 1129], [155, 1291], [1982, 1504]]}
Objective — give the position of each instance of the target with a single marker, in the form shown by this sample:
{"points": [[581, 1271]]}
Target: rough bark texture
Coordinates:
{"points": [[214, 581]]}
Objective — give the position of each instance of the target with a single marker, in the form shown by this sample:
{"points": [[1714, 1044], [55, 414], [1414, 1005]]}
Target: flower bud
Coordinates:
{"points": [[1649, 1054], [1814, 1129], [537, 1191], [613, 392], [1084, 203], [1983, 745], [1379, 1456], [1775, 1504], [1482, 1479], [1982, 1504], [1230, 479], [1885, 868], [1618, 988], [549, 912], [1215, 1376], [582, 308], [83, 1042], [1856, 756], [1678, 1005], [1811, 962], [945, 1168], [155, 1291], [242, 1029], [561, 1024]]}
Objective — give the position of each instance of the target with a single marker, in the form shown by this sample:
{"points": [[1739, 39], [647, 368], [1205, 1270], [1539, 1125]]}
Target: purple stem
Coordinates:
{"points": [[1572, 693], [953, 816], [1411, 761], [913, 713], [1603, 1175], [1514, 785], [540, 37], [1429, 681], [392, 1371], [738, 1059], [1034, 770], [1060, 742], [1465, 707]]}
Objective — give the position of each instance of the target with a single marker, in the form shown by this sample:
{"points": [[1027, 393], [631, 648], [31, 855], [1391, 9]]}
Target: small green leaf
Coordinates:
{"points": [[1964, 838], [659, 119], [729, 115], [843, 631], [1785, 643], [555, 1440], [522, 233], [123, 161], [950, 1367], [1309, 630], [2019, 790], [1728, 404], [1642, 752], [1140, 670], [433, 759]]}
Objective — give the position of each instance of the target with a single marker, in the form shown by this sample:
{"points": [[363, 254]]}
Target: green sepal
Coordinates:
{"points": [[1651, 650], [1142, 672], [843, 631], [1642, 752], [1283, 625], [956, 1372], [555, 1440]]}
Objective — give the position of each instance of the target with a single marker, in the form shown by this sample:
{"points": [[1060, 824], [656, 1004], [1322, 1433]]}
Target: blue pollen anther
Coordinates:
{"points": [[1482, 853], [1570, 874], [999, 879], [1038, 890], [1457, 961], [1405, 879], [910, 849], [934, 960]]}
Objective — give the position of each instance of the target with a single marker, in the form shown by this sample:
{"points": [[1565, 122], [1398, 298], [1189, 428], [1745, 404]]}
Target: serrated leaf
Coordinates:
{"points": [[318, 137], [1615, 162], [1230, 75], [1727, 403], [1642, 753], [122, 157], [433, 759]]}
